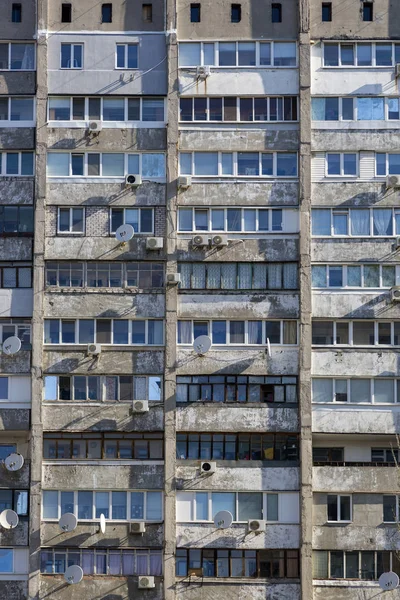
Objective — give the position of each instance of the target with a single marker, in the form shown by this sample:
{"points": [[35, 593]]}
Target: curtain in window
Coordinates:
{"points": [[153, 165], [88, 562], [259, 276], [185, 332], [255, 332], [199, 277], [290, 276], [245, 276], [359, 222], [320, 564], [318, 276], [382, 221], [128, 563], [318, 109], [290, 332], [115, 562], [228, 276], [274, 276], [142, 564], [322, 390], [139, 388], [155, 564], [186, 272], [370, 109], [214, 276], [28, 58]]}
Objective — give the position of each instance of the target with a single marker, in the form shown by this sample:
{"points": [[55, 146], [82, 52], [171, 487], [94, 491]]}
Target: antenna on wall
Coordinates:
{"points": [[11, 345], [8, 519], [68, 522], [202, 344], [14, 462], [223, 519], [74, 574], [124, 233]]}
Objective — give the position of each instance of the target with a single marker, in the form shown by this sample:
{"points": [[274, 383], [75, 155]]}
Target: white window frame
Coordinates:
{"points": [[139, 208], [340, 100], [73, 45], [338, 508], [350, 330], [246, 332], [396, 397], [355, 44], [125, 67], [395, 211], [362, 286], [342, 174], [71, 209], [3, 163], [387, 154], [11, 123], [235, 166], [9, 323], [238, 120], [9, 56], [212, 231], [130, 321]]}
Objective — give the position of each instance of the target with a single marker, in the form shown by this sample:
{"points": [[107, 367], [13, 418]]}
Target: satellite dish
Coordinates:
{"points": [[8, 519], [388, 581], [102, 523], [124, 233], [202, 344], [74, 574], [12, 345], [269, 348], [223, 519], [14, 462], [68, 522]]}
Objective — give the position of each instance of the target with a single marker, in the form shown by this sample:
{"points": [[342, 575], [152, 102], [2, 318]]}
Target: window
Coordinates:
{"points": [[141, 219], [103, 561], [17, 57], [110, 164], [103, 388], [66, 13], [107, 110], [239, 332], [326, 11], [242, 164], [71, 220], [275, 564], [361, 54], [16, 220], [16, 163], [387, 164], [236, 13], [242, 54], [356, 222], [391, 509], [236, 220], [115, 505], [339, 508], [332, 109], [341, 164], [147, 13], [232, 446], [240, 388], [323, 456], [356, 333], [389, 456], [195, 13], [104, 446], [376, 391], [15, 277], [71, 56], [16, 13], [127, 56], [276, 13], [228, 108], [16, 500], [368, 11], [104, 331], [106, 13], [146, 275], [364, 565], [354, 276], [18, 327]]}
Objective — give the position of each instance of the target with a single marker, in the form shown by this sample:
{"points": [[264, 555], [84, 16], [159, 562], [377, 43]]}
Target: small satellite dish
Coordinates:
{"points": [[8, 519], [68, 522], [388, 581], [124, 233], [223, 519], [269, 348], [102, 523], [74, 574], [14, 462], [202, 344], [12, 345]]}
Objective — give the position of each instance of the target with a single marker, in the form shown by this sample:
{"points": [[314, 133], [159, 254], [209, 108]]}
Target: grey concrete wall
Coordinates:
{"points": [[18, 480], [16, 190], [243, 474], [104, 477], [13, 82], [88, 535], [368, 419], [118, 362], [14, 419], [107, 140], [355, 250], [17, 138], [284, 361], [350, 590], [109, 588], [22, 31], [347, 362], [105, 194], [17, 536], [229, 141], [14, 590], [355, 480], [16, 247], [90, 248], [242, 306], [237, 537], [357, 305], [240, 193], [238, 590], [252, 250], [118, 305]]}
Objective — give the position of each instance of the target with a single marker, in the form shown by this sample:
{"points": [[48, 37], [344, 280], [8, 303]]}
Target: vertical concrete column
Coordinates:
{"points": [[171, 303], [305, 302], [36, 440]]}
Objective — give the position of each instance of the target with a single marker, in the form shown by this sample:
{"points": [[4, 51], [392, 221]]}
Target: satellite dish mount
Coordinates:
{"points": [[223, 519], [124, 233], [202, 344]]}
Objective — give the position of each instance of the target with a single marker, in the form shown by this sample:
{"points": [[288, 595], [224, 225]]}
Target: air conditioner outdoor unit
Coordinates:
{"points": [[95, 126], [140, 406], [207, 467], [173, 278], [139, 527], [219, 240], [200, 240], [203, 72], [395, 293], [393, 181], [256, 526], [133, 180], [146, 582], [184, 181], [397, 69], [154, 243], [94, 349]]}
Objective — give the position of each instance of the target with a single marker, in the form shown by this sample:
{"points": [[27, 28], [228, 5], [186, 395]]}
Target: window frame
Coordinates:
{"points": [[71, 210], [238, 99], [351, 333], [129, 332], [126, 67], [389, 554], [139, 209], [246, 331], [342, 174], [348, 211], [371, 382], [72, 60], [285, 225], [345, 278], [355, 45], [339, 508], [14, 43], [21, 515], [235, 163]]}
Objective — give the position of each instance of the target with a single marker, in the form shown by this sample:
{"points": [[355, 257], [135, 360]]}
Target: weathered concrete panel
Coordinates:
{"points": [[240, 193], [243, 478], [215, 590], [347, 362], [357, 305], [15, 247], [94, 588], [348, 537], [20, 363], [13, 590], [356, 480], [16, 302], [368, 419], [111, 360], [232, 82], [350, 590], [12, 82], [231, 418], [284, 361], [271, 249], [353, 194], [17, 138], [104, 477], [355, 250], [97, 248], [113, 304], [19, 536], [18, 480], [100, 418], [14, 419], [341, 140], [190, 535], [230, 141], [240, 306], [104, 194], [16, 190], [107, 140], [88, 535]]}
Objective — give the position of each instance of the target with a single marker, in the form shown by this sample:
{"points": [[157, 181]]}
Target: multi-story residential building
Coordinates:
{"points": [[252, 148]]}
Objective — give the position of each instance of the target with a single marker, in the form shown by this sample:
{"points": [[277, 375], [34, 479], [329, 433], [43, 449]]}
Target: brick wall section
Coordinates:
{"points": [[51, 221], [159, 221]]}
